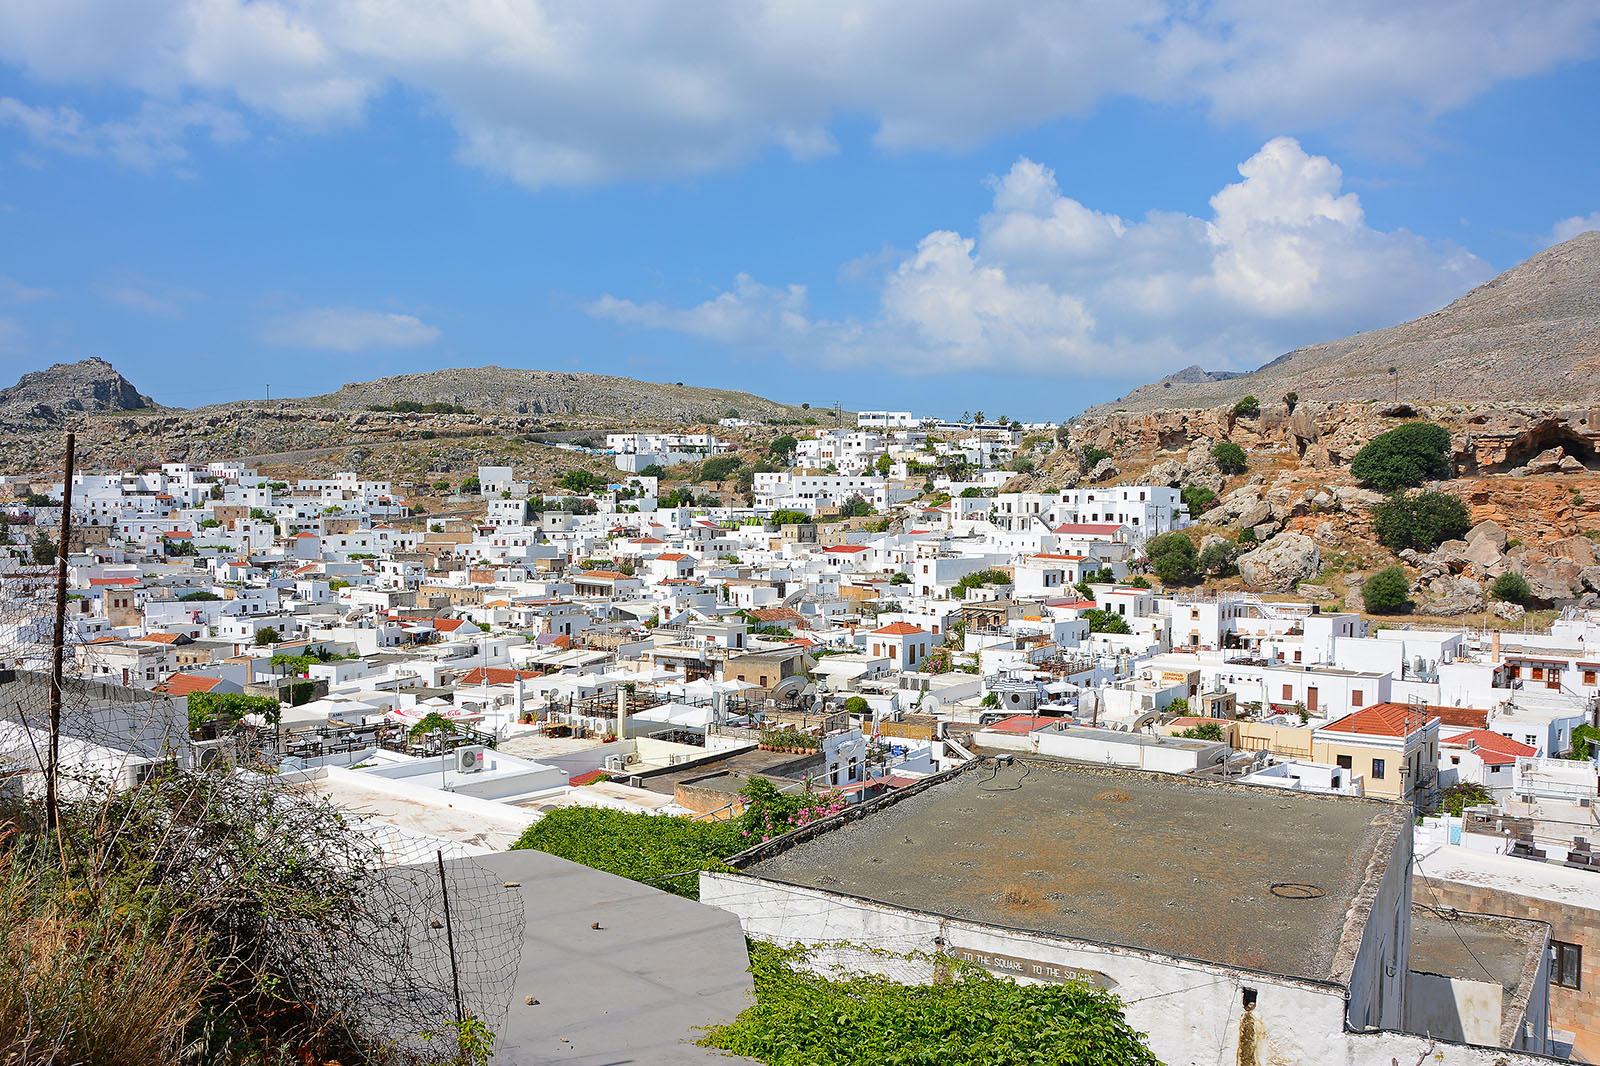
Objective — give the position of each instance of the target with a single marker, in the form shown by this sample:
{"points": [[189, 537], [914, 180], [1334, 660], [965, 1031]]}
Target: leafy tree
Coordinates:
{"points": [[1292, 399], [1249, 407], [1460, 796], [1405, 456], [1204, 731], [789, 518], [581, 481], [1093, 456], [1105, 622], [1173, 558], [967, 582], [1020, 465], [1387, 592], [210, 712], [971, 492], [1220, 559], [470, 485], [202, 595], [441, 485], [1420, 522], [653, 470], [719, 467], [884, 465], [44, 549], [267, 636], [261, 515], [858, 706], [430, 723], [782, 448], [1511, 587], [856, 507], [1585, 738], [1138, 581], [1230, 457], [900, 578], [1197, 498]]}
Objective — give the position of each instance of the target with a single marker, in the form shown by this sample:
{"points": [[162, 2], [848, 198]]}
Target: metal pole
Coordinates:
{"points": [[450, 936], [58, 643]]}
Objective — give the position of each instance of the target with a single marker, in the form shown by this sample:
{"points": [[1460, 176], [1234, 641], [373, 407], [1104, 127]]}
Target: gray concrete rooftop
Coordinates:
{"points": [[1481, 947], [1148, 861], [635, 991]]}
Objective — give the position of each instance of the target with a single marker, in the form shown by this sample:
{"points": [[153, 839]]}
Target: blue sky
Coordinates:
{"points": [[1020, 208]]}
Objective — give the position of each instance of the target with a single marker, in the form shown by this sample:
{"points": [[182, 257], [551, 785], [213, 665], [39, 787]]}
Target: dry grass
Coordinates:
{"points": [[99, 982]]}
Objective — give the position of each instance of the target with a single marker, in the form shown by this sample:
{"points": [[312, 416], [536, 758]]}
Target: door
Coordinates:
{"points": [[1311, 699]]}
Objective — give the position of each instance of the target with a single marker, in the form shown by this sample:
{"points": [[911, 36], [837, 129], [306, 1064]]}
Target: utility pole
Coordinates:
{"points": [[57, 645]]}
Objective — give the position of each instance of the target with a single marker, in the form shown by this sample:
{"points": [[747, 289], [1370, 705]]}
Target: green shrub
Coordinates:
{"points": [[789, 518], [857, 706], [1459, 797], [1105, 622], [1405, 456], [1230, 457], [1387, 592], [1173, 558], [470, 485], [1420, 522], [1291, 400], [1511, 587], [640, 847], [1219, 559], [719, 467], [1198, 499], [973, 1018], [1249, 407], [1204, 731], [578, 481], [1093, 456]]}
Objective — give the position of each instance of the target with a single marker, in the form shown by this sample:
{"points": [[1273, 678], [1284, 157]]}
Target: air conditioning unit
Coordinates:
{"points": [[630, 758], [220, 754], [469, 758], [613, 762]]}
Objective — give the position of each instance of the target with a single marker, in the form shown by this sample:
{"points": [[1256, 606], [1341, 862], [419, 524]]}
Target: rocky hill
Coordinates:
{"points": [[509, 390], [48, 397], [1530, 336]]}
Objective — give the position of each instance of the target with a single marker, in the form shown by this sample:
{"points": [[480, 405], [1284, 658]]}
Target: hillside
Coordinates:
{"points": [[47, 397], [1530, 335], [510, 390]]}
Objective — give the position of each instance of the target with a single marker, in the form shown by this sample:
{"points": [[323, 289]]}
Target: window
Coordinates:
{"points": [[1588, 677], [1530, 740], [1343, 762], [1288, 692], [1377, 769], [1566, 964], [1355, 697]]}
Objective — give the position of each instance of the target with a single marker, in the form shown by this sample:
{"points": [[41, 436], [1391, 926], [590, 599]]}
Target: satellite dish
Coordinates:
{"points": [[930, 705]]}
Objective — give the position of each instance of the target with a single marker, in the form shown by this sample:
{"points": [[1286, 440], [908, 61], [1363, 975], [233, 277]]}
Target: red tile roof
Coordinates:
{"points": [[1492, 748], [899, 629], [448, 625], [1468, 717], [1382, 720], [672, 557], [850, 548], [589, 778], [496, 675], [1020, 723], [100, 582], [183, 684]]}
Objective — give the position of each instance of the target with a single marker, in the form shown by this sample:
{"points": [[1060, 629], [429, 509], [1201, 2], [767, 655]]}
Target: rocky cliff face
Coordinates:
{"points": [[47, 397], [1532, 334]]}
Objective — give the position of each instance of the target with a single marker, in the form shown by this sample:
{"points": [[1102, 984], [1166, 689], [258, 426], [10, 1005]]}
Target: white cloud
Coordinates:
{"points": [[1050, 285], [10, 335], [348, 329], [1569, 228], [15, 292], [155, 298], [577, 91], [152, 137]]}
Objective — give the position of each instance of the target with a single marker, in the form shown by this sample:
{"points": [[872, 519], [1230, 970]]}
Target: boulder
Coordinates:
{"points": [[1281, 563], [1569, 465], [1102, 470], [1489, 530], [1326, 533], [1459, 596], [1589, 578], [1511, 612], [1315, 592], [1547, 461], [1482, 553], [1579, 550]]}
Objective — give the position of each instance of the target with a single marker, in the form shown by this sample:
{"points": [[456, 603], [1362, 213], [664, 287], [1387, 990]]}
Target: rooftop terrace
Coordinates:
{"points": [[1224, 873]]}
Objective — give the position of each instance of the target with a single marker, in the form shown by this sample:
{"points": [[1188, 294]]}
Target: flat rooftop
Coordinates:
{"points": [[1481, 947], [1153, 862]]}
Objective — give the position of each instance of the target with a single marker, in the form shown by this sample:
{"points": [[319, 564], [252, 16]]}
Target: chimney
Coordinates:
{"points": [[1495, 646]]}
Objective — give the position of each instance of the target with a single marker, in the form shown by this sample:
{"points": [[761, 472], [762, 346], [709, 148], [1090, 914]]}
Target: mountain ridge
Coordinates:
{"points": [[1531, 332]]}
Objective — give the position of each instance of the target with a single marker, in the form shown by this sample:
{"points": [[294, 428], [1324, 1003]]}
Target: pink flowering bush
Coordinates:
{"points": [[770, 812]]}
